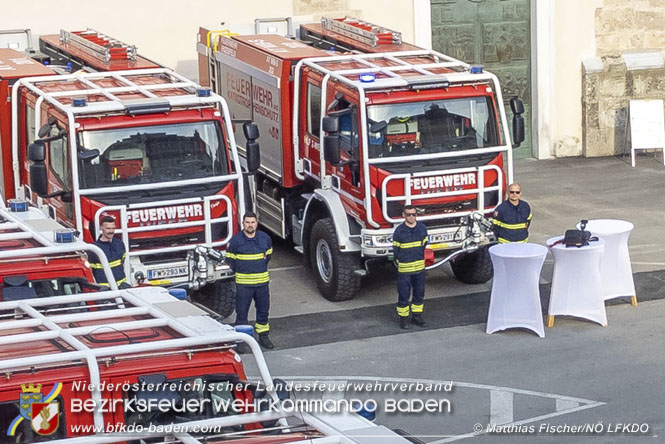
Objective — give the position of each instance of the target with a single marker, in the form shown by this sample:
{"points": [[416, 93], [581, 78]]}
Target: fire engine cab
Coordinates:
{"points": [[355, 124], [41, 258], [127, 138]]}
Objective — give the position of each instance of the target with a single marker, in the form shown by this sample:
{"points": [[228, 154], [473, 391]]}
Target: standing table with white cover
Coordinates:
{"points": [[576, 284], [515, 298], [616, 273]]}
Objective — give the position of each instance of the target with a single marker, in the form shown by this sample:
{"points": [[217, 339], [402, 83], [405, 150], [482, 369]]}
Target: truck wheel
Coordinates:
{"points": [[474, 267], [219, 296], [333, 270]]}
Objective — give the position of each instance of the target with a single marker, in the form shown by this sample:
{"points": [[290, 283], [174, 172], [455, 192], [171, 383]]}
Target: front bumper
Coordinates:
{"points": [[379, 243], [172, 272]]}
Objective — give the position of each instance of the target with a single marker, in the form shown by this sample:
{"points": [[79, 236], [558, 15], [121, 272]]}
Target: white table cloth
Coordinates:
{"points": [[515, 297], [576, 284], [616, 274]]}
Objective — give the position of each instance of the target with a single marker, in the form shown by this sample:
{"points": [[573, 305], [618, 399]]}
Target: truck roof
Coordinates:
{"points": [[277, 46], [15, 64], [136, 91], [417, 70], [85, 330], [96, 50]]}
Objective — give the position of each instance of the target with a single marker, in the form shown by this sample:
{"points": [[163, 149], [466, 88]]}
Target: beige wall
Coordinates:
{"points": [[574, 41], [165, 30]]}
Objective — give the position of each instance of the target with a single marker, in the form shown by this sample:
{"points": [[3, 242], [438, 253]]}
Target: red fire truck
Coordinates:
{"points": [[127, 138], [41, 258], [129, 365], [349, 137]]}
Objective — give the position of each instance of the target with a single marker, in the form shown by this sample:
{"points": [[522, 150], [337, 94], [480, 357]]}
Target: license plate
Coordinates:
{"points": [[443, 237], [170, 272]]}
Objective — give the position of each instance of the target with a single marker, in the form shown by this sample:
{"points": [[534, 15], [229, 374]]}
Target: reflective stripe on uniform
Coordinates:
{"points": [[261, 328], [403, 311], [410, 267], [252, 278], [417, 308], [247, 257], [112, 264], [415, 244], [511, 226]]}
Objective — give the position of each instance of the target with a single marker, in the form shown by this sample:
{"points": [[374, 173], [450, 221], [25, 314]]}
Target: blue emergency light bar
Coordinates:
{"points": [[65, 236], [18, 205], [367, 77]]}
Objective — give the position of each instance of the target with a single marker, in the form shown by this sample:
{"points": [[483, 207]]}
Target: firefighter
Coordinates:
{"points": [[248, 255], [513, 217], [409, 241], [114, 250]]}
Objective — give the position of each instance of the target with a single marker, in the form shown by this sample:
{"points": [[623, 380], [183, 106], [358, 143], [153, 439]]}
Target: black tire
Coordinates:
{"points": [[220, 296], [333, 271], [474, 267]]}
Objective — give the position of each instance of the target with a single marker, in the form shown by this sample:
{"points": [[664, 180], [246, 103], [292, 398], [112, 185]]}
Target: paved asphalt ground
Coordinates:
{"points": [[580, 374]]}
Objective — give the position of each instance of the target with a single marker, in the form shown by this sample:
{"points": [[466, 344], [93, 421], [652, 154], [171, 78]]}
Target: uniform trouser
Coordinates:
{"points": [[406, 282], [261, 296]]}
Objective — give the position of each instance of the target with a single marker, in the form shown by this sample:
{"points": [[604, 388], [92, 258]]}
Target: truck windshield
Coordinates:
{"points": [[431, 127], [152, 154]]}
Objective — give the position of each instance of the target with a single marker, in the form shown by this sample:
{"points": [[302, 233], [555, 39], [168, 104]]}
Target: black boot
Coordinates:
{"points": [[404, 322], [419, 320], [265, 341], [242, 348]]}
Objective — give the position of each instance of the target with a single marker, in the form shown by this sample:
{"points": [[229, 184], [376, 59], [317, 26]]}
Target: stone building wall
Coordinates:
{"points": [[630, 36]]}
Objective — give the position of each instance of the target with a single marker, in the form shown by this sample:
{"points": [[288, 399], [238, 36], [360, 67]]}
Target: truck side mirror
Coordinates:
{"points": [[516, 105], [253, 156], [331, 124], [250, 130], [38, 179], [518, 130], [37, 152], [331, 148]]}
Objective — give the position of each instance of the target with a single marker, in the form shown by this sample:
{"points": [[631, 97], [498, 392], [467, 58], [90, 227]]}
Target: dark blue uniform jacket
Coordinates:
{"points": [[511, 222], [249, 257], [115, 254], [409, 247]]}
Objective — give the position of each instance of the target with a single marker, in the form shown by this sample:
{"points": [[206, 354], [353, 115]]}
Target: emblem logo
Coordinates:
{"points": [[45, 419], [42, 411]]}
